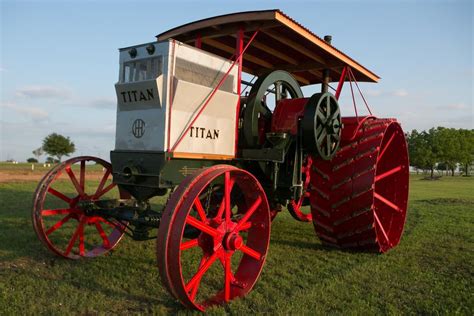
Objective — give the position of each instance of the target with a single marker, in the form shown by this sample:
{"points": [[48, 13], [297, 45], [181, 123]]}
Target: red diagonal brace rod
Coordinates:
{"points": [[213, 93], [341, 82]]}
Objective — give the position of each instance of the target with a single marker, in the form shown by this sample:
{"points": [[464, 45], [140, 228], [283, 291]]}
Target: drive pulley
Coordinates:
{"points": [[322, 125]]}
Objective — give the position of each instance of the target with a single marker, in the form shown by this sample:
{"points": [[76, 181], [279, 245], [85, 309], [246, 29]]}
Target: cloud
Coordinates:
{"points": [[45, 92], [34, 113], [103, 102], [460, 106], [399, 93], [394, 93]]}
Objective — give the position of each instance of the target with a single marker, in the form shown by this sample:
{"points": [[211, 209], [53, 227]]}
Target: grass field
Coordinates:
{"points": [[430, 272]]}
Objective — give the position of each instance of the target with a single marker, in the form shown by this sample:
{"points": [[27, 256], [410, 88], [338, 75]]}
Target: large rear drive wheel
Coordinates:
{"points": [[359, 198], [224, 260]]}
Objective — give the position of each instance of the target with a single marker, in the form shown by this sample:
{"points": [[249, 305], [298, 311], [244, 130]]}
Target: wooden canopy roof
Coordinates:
{"points": [[281, 43]]}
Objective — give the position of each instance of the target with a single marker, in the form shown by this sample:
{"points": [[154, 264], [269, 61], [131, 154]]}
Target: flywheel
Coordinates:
{"points": [[265, 94]]}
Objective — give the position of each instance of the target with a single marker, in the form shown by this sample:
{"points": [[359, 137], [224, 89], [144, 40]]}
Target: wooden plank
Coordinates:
{"points": [[216, 31], [229, 49], [325, 46], [313, 67], [266, 65], [293, 62], [300, 48], [237, 18]]}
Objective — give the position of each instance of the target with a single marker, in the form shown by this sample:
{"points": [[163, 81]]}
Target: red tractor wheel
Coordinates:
{"points": [[58, 218], [359, 198], [236, 240]]}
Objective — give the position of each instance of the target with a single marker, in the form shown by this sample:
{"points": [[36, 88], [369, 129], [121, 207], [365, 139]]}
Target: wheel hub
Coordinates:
{"points": [[233, 241]]}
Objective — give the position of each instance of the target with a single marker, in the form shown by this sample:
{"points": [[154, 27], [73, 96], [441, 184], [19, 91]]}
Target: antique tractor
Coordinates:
{"points": [[229, 159]]}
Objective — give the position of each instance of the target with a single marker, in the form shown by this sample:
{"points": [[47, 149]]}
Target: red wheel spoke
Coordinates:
{"points": [[221, 209], [227, 275], [102, 234], [189, 244], [101, 184], [245, 226], [195, 288], [73, 239], [58, 224], [377, 220], [82, 177], [249, 213], [252, 253], [388, 173], [196, 279], [228, 186], [227, 190], [74, 181], [201, 226], [386, 147], [387, 202], [59, 211], [107, 189], [59, 195], [81, 241], [200, 209]]}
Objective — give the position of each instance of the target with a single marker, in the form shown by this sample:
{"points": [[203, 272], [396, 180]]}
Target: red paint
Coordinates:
{"points": [[360, 92], [73, 246], [239, 44], [170, 97], [361, 194], [198, 42], [286, 115], [219, 237], [212, 94], [341, 82]]}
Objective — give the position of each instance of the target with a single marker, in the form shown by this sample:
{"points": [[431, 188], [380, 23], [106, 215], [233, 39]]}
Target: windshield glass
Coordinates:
{"points": [[145, 69]]}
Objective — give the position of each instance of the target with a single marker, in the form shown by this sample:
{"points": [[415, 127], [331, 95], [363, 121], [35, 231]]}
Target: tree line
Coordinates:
{"points": [[441, 148]]}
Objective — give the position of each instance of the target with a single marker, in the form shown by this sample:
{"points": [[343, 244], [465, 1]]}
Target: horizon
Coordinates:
{"points": [[59, 62]]}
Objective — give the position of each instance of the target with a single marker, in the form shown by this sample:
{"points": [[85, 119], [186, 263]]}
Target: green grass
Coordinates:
{"points": [[430, 272], [39, 168]]}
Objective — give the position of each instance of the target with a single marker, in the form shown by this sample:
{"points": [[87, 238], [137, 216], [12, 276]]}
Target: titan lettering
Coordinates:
{"points": [[137, 96], [201, 132]]}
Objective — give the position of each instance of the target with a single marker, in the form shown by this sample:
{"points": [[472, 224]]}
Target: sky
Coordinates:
{"points": [[59, 61]]}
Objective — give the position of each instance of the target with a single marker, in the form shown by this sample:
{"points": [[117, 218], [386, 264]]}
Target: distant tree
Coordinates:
{"points": [[441, 166], [449, 148], [32, 160], [38, 152], [51, 160], [58, 145], [466, 155], [423, 150]]}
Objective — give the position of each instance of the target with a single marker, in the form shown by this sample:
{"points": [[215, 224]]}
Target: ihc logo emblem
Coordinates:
{"points": [[138, 128]]}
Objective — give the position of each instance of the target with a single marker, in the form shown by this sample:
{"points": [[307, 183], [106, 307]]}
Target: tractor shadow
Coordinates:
{"points": [[22, 254]]}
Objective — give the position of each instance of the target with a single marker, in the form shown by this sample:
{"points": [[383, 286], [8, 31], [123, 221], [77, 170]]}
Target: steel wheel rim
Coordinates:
{"points": [[224, 237], [390, 204], [78, 244]]}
